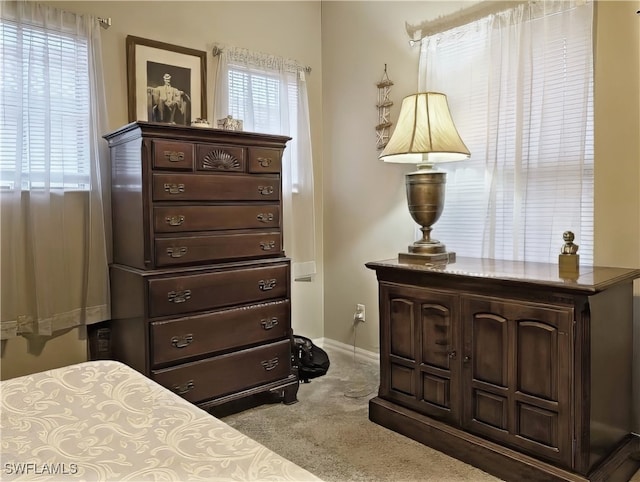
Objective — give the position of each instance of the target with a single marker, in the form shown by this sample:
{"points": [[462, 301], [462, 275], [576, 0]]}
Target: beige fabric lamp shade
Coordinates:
{"points": [[425, 132]]}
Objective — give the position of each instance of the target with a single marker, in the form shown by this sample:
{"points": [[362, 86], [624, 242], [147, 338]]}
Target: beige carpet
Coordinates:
{"points": [[328, 432]]}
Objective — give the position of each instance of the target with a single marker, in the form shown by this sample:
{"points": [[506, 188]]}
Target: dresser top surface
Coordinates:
{"points": [[589, 279], [189, 133]]}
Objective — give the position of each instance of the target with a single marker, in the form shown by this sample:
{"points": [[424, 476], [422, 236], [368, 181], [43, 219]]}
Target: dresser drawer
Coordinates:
{"points": [[214, 377], [216, 289], [220, 158], [183, 338], [173, 219], [196, 249], [264, 159], [172, 155], [215, 187]]}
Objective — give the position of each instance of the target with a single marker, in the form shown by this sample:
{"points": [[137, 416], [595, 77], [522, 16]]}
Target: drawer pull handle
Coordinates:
{"points": [[452, 354], [178, 296], [187, 387], [267, 284], [264, 161], [182, 341], [177, 252], [265, 190], [265, 218], [175, 220], [269, 365], [267, 246], [269, 323], [174, 156], [174, 188]]}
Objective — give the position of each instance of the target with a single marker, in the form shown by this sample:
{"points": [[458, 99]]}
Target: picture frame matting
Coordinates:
{"points": [[165, 83]]}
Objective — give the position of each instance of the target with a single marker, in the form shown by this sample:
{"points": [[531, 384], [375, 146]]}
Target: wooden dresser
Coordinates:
{"points": [[509, 367], [200, 285]]}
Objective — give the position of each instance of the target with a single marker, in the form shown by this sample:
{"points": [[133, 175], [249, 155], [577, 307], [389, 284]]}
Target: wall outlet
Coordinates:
{"points": [[359, 315]]}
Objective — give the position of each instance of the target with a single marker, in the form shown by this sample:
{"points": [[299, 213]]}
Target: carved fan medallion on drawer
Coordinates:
{"points": [[219, 158]]}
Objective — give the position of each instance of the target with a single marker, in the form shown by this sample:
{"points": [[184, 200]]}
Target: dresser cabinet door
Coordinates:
{"points": [[420, 364], [517, 374]]}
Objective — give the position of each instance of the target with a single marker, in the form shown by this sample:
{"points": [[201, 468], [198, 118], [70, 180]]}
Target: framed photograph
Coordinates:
{"points": [[165, 83]]}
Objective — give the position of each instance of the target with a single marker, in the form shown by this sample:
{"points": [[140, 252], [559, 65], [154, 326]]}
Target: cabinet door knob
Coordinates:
{"points": [[452, 354], [467, 358]]}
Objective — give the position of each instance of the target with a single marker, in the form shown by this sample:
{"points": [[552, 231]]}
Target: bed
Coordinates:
{"points": [[102, 420]]}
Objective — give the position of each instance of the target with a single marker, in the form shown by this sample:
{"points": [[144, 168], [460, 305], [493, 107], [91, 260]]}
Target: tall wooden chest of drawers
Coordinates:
{"points": [[200, 285]]}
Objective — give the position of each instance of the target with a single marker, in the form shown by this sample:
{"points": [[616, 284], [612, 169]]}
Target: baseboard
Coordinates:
{"points": [[362, 355]]}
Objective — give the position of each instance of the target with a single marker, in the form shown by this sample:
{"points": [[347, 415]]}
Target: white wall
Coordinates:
{"points": [[617, 150], [365, 209]]}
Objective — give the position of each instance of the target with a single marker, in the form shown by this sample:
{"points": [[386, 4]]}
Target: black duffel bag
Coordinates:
{"points": [[311, 360]]}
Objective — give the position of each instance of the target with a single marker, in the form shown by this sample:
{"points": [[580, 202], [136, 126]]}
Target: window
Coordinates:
{"points": [[45, 116], [520, 88], [255, 95], [269, 94], [52, 115]]}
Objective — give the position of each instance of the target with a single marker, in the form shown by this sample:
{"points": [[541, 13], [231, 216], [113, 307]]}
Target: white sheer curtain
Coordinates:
{"points": [[53, 163], [520, 88], [269, 94]]}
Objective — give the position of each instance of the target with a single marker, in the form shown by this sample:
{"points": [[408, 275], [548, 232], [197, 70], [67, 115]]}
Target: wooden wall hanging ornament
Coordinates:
{"points": [[384, 106]]}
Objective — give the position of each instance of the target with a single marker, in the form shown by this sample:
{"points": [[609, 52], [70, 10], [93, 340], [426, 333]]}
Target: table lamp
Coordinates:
{"points": [[425, 135]]}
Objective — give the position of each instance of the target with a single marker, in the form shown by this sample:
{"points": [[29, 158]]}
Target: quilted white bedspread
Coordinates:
{"points": [[102, 420]]}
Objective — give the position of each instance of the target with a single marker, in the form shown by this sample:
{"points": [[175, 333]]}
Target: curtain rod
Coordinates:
{"points": [[462, 17], [217, 50], [105, 23]]}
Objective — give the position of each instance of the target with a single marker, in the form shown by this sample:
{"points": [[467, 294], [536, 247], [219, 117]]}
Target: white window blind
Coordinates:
{"points": [[45, 115], [255, 95], [520, 88]]}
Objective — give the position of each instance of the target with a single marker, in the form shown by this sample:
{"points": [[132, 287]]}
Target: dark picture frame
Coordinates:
{"points": [[165, 83]]}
